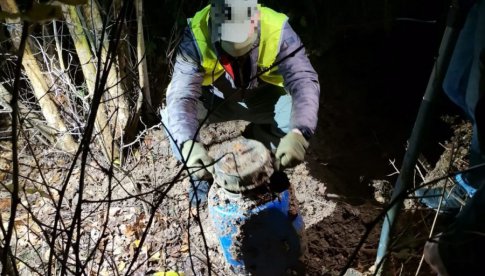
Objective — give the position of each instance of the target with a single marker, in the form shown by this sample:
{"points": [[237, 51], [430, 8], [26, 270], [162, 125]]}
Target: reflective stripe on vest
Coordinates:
{"points": [[271, 23]]}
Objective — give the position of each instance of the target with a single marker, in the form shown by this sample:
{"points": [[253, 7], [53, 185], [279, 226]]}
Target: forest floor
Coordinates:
{"points": [[334, 224]]}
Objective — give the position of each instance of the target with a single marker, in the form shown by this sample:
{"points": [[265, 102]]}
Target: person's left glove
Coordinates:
{"points": [[291, 150], [199, 162]]}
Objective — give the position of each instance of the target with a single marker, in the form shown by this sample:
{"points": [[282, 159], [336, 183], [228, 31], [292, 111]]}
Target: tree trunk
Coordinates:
{"points": [[141, 53], [116, 102], [143, 88], [31, 120], [87, 60], [39, 86]]}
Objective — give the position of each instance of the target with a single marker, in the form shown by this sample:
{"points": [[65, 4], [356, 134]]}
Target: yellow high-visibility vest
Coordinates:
{"points": [[271, 24]]}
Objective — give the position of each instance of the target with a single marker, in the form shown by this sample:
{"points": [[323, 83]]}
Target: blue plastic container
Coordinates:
{"points": [[257, 237]]}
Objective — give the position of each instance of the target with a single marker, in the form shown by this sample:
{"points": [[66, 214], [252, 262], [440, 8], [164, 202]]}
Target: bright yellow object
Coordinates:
{"points": [[271, 23], [136, 243], [169, 273]]}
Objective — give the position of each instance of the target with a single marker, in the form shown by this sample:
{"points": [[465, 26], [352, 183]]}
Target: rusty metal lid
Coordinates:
{"points": [[242, 165]]}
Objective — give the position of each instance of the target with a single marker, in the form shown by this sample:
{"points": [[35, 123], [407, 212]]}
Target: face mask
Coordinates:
{"points": [[239, 49]]}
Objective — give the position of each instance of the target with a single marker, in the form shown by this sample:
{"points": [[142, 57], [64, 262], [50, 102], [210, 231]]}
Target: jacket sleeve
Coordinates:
{"points": [[300, 80], [184, 91]]}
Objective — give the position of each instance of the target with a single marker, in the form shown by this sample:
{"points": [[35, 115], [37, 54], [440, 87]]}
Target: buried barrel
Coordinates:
{"points": [[250, 206]]}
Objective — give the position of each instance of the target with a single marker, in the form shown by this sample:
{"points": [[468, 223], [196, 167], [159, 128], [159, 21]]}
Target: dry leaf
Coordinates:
{"points": [[46, 254], [194, 212], [5, 203], [118, 250], [129, 231], [55, 179], [136, 243], [155, 257], [184, 248], [114, 211], [104, 272], [175, 251], [121, 266]]}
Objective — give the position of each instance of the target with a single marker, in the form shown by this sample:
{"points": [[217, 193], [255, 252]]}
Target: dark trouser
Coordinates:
{"points": [[461, 246]]}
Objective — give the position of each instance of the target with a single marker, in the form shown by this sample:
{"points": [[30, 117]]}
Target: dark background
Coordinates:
{"points": [[374, 59]]}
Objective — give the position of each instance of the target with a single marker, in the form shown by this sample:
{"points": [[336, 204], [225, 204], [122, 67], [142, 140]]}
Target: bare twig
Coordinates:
{"points": [[7, 254]]}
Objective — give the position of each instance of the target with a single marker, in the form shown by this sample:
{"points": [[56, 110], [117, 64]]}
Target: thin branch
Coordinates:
{"points": [[15, 179]]}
